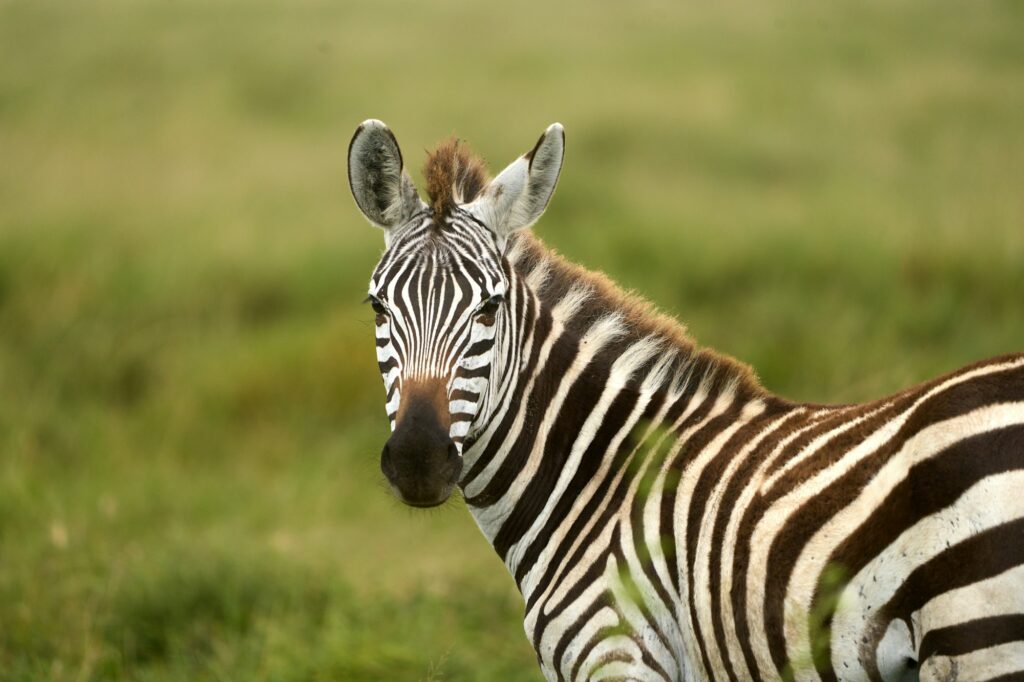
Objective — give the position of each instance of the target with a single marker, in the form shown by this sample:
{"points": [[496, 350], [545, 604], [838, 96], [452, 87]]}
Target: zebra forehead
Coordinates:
{"points": [[458, 232], [435, 266], [453, 248]]}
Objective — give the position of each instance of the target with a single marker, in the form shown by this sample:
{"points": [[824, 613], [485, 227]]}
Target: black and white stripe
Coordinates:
{"points": [[438, 289], [666, 519]]}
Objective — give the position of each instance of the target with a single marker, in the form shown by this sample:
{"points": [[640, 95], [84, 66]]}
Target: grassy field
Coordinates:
{"points": [[190, 413]]}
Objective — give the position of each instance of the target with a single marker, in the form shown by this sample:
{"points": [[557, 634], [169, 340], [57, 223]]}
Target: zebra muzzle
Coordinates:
{"points": [[420, 461]]}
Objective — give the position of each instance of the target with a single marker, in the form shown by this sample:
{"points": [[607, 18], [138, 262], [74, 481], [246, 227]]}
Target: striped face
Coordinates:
{"points": [[438, 295]]}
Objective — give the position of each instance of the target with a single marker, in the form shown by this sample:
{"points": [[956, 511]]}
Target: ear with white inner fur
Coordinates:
{"points": [[379, 183], [518, 196]]}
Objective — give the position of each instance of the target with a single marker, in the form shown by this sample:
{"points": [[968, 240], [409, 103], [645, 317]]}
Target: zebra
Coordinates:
{"points": [[664, 516]]}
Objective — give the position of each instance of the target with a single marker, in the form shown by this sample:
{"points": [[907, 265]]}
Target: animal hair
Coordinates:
{"points": [[562, 278], [454, 175]]}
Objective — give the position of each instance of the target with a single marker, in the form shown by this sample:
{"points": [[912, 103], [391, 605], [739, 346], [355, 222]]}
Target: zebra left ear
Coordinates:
{"points": [[518, 196], [377, 177]]}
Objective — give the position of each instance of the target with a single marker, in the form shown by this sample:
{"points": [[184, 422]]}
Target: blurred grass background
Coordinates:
{"points": [[190, 412]]}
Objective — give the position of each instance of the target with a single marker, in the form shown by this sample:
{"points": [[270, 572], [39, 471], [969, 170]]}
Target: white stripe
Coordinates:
{"points": [[1000, 595]]}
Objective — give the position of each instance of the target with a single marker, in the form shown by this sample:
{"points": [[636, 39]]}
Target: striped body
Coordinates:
{"points": [[665, 518], [663, 515]]}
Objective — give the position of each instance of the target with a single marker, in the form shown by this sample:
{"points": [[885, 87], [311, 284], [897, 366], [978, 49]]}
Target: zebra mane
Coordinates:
{"points": [[454, 175], [559, 277]]}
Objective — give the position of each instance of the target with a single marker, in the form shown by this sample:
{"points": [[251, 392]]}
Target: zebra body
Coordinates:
{"points": [[664, 516]]}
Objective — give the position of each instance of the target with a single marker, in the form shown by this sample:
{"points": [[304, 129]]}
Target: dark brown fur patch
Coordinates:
{"points": [[454, 175], [430, 391]]}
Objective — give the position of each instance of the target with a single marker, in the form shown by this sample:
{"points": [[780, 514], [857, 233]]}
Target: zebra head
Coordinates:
{"points": [[442, 294]]}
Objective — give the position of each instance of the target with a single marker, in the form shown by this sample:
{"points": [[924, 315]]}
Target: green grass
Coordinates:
{"points": [[190, 412]]}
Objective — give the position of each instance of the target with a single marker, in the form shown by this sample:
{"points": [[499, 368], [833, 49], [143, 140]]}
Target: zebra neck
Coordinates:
{"points": [[603, 387]]}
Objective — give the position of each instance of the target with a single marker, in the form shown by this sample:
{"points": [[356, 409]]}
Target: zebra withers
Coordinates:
{"points": [[663, 515]]}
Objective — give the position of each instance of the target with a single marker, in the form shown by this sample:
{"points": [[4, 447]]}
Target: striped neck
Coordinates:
{"points": [[594, 385]]}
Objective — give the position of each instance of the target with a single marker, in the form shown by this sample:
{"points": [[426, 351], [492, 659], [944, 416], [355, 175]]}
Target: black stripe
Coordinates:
{"points": [[655, 460], [482, 372], [576, 409], [479, 348], [706, 482], [563, 352], [595, 453], [982, 556], [463, 394], [760, 505], [541, 329], [623, 461], [963, 638]]}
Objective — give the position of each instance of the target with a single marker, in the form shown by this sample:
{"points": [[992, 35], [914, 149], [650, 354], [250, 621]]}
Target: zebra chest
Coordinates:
{"points": [[595, 622]]}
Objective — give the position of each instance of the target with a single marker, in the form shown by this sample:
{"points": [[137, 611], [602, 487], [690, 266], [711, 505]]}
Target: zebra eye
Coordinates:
{"points": [[377, 306], [490, 306]]}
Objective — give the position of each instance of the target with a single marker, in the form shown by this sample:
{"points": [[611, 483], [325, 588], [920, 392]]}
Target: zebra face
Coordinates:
{"points": [[439, 294]]}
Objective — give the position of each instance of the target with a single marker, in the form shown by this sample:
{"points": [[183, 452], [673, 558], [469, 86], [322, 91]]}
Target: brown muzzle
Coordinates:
{"points": [[420, 461]]}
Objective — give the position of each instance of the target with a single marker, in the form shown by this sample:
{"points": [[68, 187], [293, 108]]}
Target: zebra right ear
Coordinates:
{"points": [[518, 196], [379, 183]]}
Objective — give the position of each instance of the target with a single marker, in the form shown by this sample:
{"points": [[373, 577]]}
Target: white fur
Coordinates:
{"points": [[517, 197]]}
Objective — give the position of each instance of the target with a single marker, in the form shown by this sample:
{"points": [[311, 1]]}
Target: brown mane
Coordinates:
{"points": [[642, 318], [454, 175]]}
